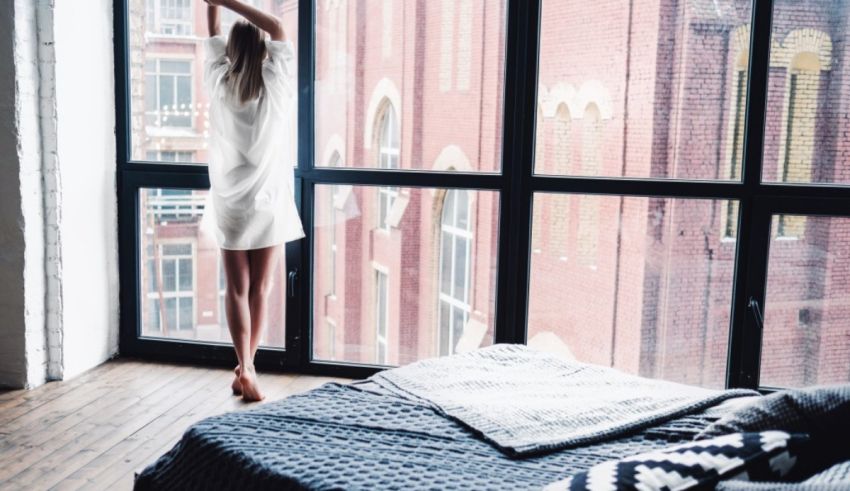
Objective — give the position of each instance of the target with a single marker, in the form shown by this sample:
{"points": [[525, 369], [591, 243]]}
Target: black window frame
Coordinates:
{"points": [[515, 184]]}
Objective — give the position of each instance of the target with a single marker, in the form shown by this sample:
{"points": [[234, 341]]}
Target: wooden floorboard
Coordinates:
{"points": [[96, 430]]}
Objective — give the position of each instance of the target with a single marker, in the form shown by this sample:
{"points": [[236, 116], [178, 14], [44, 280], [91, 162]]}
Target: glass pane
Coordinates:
{"points": [[170, 309], [169, 107], [186, 276], [186, 313], [642, 89], [444, 331], [446, 266], [414, 256], [808, 105], [806, 337], [459, 269], [152, 316], [410, 85], [189, 301], [169, 276], [653, 299]]}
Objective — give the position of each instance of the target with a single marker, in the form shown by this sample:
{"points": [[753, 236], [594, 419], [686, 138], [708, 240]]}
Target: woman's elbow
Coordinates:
{"points": [[276, 30]]}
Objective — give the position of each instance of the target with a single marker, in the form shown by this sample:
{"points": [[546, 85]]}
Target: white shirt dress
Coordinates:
{"points": [[251, 203]]}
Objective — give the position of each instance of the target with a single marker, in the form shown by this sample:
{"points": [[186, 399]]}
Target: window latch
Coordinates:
{"points": [[292, 278], [755, 309]]}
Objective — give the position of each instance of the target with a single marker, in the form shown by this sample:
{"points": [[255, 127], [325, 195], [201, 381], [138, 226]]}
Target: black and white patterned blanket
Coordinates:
{"points": [[527, 402]]}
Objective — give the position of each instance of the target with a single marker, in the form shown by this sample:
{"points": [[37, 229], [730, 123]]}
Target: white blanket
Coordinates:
{"points": [[525, 401]]}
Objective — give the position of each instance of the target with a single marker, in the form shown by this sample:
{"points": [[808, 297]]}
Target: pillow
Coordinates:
{"points": [[822, 412], [765, 456], [835, 478]]}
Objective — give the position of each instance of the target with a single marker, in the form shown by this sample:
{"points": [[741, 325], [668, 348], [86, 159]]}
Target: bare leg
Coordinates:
{"points": [[262, 263], [237, 307]]}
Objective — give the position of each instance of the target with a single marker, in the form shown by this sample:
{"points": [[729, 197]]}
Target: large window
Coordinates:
{"points": [[426, 290], [806, 311], [656, 187], [652, 297]]}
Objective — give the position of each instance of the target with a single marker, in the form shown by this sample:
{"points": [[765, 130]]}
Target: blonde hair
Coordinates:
{"points": [[246, 48]]}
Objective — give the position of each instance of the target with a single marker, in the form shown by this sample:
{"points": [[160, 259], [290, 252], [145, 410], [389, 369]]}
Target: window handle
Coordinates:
{"points": [[292, 278], [755, 309]]}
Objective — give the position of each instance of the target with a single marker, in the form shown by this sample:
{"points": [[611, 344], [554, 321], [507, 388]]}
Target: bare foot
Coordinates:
{"points": [[250, 388], [236, 386]]}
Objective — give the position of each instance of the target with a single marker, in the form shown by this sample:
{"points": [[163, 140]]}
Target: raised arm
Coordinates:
{"points": [[213, 19], [263, 20]]}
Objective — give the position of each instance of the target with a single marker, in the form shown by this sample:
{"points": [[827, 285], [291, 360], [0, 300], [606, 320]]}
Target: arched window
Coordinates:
{"points": [[454, 274], [588, 225], [388, 158], [798, 146]]}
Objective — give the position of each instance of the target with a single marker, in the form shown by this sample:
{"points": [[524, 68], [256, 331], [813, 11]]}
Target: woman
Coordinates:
{"points": [[250, 81]]}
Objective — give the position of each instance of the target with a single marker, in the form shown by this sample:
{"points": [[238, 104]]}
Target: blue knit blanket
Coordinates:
{"points": [[526, 401], [347, 437]]}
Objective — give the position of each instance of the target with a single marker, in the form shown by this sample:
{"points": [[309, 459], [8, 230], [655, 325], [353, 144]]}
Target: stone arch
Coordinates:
{"points": [[452, 158], [594, 93], [561, 94], [739, 41], [384, 94], [817, 43]]}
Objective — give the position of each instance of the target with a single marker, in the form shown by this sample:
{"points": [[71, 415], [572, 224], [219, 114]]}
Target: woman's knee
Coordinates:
{"points": [[261, 288], [238, 289]]}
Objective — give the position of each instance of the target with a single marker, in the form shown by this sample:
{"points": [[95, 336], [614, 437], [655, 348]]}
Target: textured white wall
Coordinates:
{"points": [[22, 285], [58, 229], [12, 339]]}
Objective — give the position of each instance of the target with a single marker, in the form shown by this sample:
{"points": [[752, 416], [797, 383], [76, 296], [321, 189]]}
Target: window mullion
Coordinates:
{"points": [[522, 52], [744, 340], [299, 315]]}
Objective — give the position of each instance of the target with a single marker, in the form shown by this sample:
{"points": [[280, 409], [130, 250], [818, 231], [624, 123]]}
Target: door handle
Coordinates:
{"points": [[292, 278], [755, 309]]}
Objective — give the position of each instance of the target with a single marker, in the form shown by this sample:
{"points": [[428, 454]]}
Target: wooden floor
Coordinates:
{"points": [[96, 430]]}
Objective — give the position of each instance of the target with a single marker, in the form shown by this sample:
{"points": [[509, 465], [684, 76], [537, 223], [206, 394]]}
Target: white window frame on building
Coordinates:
{"points": [[454, 302], [163, 115], [182, 156], [170, 17], [162, 293], [389, 143], [382, 315]]}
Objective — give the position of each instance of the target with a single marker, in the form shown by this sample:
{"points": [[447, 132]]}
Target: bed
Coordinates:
{"points": [[402, 429]]}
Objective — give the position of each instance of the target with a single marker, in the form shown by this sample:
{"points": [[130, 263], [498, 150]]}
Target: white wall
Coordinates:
{"points": [[85, 105], [58, 228]]}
